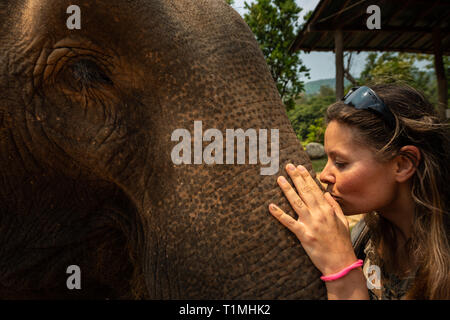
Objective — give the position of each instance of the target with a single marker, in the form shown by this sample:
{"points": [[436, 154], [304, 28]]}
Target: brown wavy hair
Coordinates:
{"points": [[417, 124]]}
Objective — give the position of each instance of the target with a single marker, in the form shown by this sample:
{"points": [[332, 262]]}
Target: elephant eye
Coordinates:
{"points": [[86, 73]]}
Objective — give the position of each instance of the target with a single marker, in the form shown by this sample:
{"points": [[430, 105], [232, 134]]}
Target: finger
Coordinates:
{"points": [[286, 220], [336, 207], [312, 185], [305, 185], [296, 202]]}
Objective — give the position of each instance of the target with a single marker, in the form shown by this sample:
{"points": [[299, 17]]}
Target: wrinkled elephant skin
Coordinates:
{"points": [[87, 179]]}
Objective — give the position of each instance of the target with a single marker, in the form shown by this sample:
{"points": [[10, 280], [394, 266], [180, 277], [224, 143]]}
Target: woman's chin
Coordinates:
{"points": [[350, 211], [346, 209]]}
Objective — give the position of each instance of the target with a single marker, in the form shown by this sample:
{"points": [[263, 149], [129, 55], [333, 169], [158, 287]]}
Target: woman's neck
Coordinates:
{"points": [[400, 212]]}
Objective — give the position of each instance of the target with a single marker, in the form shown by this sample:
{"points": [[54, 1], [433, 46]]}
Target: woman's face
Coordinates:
{"points": [[355, 179]]}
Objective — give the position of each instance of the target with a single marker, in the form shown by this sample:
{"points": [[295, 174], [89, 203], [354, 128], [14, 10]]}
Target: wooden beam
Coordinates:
{"points": [[353, 13], [419, 40], [381, 49], [393, 39], [423, 14], [340, 12], [317, 28], [339, 54], [427, 2], [322, 36], [409, 42], [318, 12], [440, 74], [395, 14], [295, 46]]}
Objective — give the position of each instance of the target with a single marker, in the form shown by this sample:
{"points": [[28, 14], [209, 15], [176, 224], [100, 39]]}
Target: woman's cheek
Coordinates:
{"points": [[351, 184], [360, 193]]}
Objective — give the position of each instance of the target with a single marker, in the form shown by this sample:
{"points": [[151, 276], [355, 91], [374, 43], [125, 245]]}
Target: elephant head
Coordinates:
{"points": [[87, 178]]}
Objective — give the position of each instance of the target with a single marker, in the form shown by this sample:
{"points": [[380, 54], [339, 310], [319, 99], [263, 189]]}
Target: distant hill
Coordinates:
{"points": [[313, 87]]}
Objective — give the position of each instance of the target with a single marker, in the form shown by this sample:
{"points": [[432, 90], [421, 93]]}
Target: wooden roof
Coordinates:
{"points": [[406, 26]]}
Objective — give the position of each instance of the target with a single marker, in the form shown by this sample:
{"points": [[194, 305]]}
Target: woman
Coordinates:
{"points": [[389, 156]]}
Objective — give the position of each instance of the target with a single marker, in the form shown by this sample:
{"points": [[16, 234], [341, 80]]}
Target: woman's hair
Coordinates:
{"points": [[416, 124]]}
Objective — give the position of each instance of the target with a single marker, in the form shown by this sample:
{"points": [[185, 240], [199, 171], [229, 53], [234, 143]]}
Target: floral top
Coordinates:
{"points": [[381, 285]]}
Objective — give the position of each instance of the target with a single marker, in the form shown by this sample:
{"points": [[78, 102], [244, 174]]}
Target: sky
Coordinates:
{"points": [[321, 64]]}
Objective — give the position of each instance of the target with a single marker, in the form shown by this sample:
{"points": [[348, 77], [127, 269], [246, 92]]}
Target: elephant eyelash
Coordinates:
{"points": [[85, 73]]}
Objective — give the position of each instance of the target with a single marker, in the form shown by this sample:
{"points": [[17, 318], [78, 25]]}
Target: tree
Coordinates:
{"points": [[275, 25], [394, 67], [432, 88], [308, 114], [391, 67], [348, 56]]}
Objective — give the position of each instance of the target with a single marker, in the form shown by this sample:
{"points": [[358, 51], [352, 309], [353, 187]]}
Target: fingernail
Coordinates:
{"points": [[301, 168], [282, 180], [291, 167], [273, 207]]}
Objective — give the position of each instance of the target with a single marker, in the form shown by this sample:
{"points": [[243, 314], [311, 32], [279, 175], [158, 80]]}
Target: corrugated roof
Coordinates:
{"points": [[406, 26]]}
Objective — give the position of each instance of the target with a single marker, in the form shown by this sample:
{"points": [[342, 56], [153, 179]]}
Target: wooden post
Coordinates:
{"points": [[339, 54], [440, 74]]}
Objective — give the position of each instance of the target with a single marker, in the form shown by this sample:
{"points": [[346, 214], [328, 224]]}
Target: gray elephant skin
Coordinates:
{"points": [[86, 175]]}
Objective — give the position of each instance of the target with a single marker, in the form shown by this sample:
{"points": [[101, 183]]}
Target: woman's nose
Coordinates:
{"points": [[326, 176], [322, 177]]}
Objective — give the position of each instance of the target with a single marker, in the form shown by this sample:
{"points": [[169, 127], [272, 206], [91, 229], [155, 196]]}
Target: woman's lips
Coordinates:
{"points": [[335, 197]]}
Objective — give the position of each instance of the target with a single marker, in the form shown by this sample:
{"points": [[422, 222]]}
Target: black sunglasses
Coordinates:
{"points": [[364, 98]]}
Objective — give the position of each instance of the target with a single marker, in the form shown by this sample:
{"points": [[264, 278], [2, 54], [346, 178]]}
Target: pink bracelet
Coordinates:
{"points": [[343, 272]]}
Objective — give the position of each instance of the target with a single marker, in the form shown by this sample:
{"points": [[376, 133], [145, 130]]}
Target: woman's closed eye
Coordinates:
{"points": [[340, 165]]}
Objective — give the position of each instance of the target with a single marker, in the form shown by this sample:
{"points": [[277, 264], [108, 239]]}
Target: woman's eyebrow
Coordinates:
{"points": [[334, 153]]}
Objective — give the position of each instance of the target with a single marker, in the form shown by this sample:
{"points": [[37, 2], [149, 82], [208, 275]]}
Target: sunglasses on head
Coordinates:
{"points": [[364, 98]]}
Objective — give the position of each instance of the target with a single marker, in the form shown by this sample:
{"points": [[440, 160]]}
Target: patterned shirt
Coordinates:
{"points": [[382, 285]]}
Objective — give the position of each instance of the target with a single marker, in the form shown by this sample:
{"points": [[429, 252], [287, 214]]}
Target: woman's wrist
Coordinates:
{"points": [[343, 272], [352, 286], [343, 262]]}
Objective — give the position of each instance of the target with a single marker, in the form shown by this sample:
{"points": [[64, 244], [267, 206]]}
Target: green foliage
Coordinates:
{"points": [[431, 89], [274, 23], [307, 117], [391, 67], [230, 2], [316, 131], [319, 164], [308, 15], [394, 67]]}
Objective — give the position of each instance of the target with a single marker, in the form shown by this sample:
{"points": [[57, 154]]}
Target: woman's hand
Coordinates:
{"points": [[321, 227]]}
